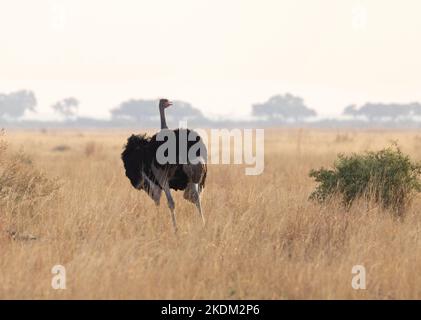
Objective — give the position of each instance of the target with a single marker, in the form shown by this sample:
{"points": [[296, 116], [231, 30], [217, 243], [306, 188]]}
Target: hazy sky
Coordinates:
{"points": [[220, 55]]}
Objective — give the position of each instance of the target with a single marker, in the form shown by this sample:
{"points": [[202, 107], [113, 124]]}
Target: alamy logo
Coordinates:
{"points": [[58, 16], [359, 280], [359, 17], [216, 146], [59, 279]]}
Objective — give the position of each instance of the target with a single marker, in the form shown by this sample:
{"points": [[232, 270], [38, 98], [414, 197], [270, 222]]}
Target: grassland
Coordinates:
{"points": [[263, 240]]}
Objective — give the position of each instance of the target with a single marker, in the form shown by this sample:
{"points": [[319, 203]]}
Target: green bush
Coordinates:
{"points": [[387, 177]]}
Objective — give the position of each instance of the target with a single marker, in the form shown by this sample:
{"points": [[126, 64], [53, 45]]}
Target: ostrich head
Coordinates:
{"points": [[164, 103]]}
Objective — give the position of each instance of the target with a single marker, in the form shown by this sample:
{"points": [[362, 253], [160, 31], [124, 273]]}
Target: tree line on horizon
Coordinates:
{"points": [[278, 109]]}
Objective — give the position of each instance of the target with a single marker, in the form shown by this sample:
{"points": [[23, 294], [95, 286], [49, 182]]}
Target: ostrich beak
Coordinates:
{"points": [[169, 103]]}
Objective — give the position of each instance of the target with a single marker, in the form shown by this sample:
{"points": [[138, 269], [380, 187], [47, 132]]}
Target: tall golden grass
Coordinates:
{"points": [[263, 240]]}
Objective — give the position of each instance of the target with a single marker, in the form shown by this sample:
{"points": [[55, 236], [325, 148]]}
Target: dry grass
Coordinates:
{"points": [[264, 239]]}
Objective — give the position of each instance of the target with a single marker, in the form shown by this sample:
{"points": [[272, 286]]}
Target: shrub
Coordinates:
{"points": [[387, 177], [20, 181]]}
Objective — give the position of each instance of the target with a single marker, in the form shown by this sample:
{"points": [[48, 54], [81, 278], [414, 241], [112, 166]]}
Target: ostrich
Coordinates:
{"points": [[146, 173]]}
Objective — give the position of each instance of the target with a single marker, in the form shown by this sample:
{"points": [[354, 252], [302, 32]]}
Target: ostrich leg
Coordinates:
{"points": [[192, 194], [152, 189], [171, 205], [162, 177], [198, 203]]}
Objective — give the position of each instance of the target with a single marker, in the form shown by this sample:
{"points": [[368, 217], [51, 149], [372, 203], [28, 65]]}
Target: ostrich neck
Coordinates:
{"points": [[163, 120]]}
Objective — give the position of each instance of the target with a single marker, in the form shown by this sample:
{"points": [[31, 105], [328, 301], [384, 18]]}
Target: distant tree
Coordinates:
{"points": [[350, 110], [67, 107], [15, 104], [135, 110], [146, 111], [380, 111], [284, 107]]}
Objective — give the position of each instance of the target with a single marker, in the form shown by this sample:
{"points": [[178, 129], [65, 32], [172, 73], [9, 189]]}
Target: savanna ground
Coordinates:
{"points": [[263, 240]]}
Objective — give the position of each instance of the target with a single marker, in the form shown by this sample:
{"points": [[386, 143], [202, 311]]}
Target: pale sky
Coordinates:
{"points": [[221, 56]]}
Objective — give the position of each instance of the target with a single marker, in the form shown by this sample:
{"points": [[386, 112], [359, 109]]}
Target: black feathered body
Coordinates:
{"points": [[140, 154]]}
